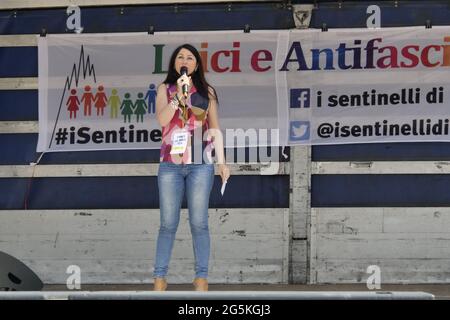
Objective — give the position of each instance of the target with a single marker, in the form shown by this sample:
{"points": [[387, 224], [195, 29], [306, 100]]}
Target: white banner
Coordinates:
{"points": [[362, 86], [274, 87], [97, 91]]}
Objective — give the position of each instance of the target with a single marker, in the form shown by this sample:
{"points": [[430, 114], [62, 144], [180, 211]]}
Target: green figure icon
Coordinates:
{"points": [[127, 108], [114, 102], [140, 107]]}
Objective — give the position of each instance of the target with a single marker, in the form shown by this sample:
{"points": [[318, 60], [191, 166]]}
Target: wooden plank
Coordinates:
{"points": [[312, 244], [300, 198], [116, 170], [349, 220], [19, 127], [299, 273], [232, 271], [387, 220], [300, 206], [382, 167], [231, 221], [417, 220], [22, 40], [392, 270], [22, 4], [299, 261], [139, 271], [84, 170], [425, 167], [384, 246], [127, 246], [286, 253], [27, 83]]}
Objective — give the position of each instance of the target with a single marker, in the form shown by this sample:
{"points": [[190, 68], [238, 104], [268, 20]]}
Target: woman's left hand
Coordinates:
{"points": [[224, 172]]}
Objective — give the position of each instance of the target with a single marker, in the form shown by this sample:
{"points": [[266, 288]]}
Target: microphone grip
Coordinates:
{"points": [[184, 88]]}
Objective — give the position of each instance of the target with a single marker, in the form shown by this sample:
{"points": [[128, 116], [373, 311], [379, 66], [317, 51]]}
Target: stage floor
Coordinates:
{"points": [[440, 291]]}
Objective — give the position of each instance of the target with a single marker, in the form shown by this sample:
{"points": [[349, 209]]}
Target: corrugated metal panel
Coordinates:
{"points": [[17, 4], [162, 17], [9, 62], [135, 192], [393, 190], [18, 105], [352, 14]]}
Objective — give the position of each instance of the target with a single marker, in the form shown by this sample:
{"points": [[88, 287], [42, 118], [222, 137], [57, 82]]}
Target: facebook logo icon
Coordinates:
{"points": [[300, 98]]}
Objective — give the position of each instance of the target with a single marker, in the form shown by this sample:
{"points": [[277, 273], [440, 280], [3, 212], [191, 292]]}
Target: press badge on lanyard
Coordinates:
{"points": [[179, 141]]}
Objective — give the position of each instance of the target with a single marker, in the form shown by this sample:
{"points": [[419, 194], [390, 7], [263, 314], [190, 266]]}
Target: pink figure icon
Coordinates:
{"points": [[73, 104], [100, 101], [87, 98]]}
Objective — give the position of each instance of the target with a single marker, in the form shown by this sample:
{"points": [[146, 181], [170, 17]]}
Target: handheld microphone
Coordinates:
{"points": [[184, 88]]}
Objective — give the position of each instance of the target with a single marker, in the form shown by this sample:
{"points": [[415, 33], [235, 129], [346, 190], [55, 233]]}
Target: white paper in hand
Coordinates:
{"points": [[222, 190]]}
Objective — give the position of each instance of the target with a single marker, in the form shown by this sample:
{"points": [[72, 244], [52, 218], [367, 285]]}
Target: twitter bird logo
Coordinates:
{"points": [[299, 130]]}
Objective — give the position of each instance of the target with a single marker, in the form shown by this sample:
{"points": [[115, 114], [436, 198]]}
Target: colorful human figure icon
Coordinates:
{"points": [[140, 107], [100, 101], [114, 102], [73, 104], [151, 98], [87, 98], [127, 108]]}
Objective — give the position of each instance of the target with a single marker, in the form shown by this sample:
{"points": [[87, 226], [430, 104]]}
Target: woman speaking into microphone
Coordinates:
{"points": [[186, 109]]}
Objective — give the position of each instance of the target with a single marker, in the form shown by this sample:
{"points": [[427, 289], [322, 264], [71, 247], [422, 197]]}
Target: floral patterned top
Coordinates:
{"points": [[199, 145]]}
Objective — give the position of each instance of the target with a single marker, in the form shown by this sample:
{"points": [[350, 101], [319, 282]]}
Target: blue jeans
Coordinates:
{"points": [[174, 180]]}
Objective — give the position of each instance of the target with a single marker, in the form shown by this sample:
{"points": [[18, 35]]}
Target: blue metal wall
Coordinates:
{"points": [[352, 14], [116, 192]]}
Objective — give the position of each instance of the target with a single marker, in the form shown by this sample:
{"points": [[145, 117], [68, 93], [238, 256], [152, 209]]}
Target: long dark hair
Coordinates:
{"points": [[198, 76]]}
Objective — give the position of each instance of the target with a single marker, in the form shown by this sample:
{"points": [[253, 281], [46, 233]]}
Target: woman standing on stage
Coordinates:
{"points": [[186, 109]]}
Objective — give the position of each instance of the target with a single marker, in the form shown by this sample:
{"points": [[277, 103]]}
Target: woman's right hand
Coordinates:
{"points": [[184, 79], [224, 172]]}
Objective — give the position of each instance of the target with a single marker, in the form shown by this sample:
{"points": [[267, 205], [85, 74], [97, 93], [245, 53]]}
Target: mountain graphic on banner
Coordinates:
{"points": [[84, 65], [76, 69]]}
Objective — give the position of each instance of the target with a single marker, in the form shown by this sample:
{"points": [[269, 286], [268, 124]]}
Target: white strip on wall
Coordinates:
{"points": [[25, 40], [121, 170], [28, 83], [19, 126], [381, 167]]}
